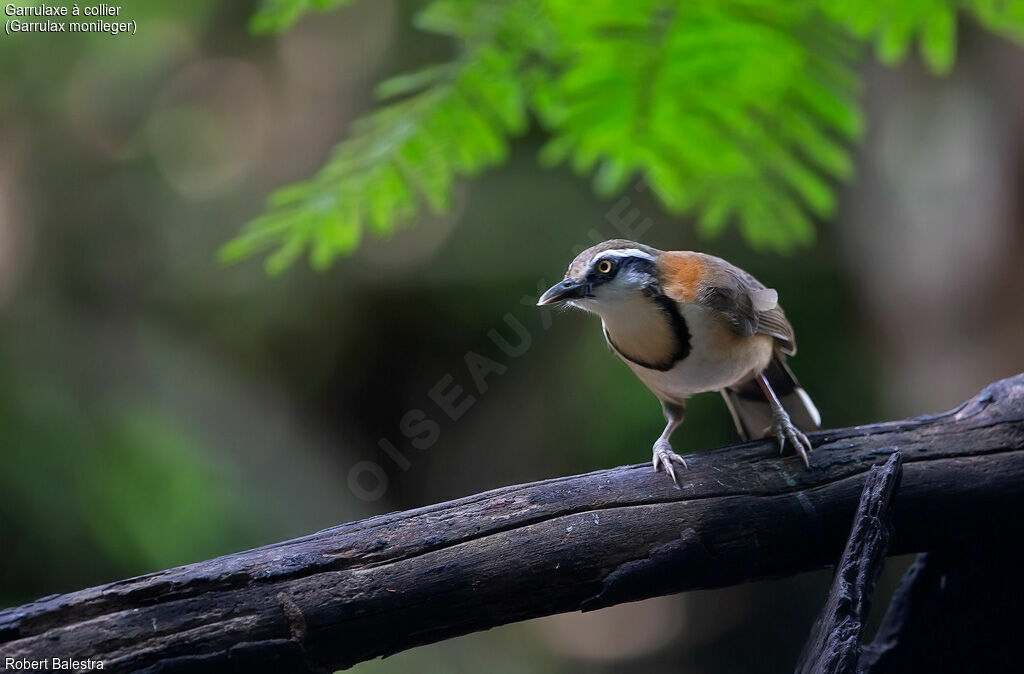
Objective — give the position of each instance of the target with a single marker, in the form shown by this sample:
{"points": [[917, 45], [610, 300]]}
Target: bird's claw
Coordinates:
{"points": [[785, 430], [663, 459]]}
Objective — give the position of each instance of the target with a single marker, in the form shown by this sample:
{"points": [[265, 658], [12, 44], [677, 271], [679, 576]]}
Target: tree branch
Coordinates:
{"points": [[388, 583], [834, 644]]}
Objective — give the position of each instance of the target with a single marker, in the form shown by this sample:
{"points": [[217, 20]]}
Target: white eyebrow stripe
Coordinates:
{"points": [[627, 252]]}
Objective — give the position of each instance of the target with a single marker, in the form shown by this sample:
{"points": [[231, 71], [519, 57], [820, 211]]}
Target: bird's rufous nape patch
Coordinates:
{"points": [[680, 274]]}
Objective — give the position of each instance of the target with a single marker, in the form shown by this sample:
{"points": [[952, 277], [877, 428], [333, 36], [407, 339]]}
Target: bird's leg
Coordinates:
{"points": [[782, 427], [664, 457]]}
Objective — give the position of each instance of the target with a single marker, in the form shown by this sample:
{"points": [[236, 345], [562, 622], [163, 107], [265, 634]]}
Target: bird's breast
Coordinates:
{"points": [[649, 332], [717, 358]]}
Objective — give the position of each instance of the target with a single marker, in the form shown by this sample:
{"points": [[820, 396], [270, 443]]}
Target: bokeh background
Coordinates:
{"points": [[158, 408]]}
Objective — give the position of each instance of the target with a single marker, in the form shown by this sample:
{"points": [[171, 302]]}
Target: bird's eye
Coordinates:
{"points": [[604, 266]]}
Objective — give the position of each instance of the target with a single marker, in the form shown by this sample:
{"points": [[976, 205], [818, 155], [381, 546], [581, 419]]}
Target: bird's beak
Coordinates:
{"points": [[560, 292]]}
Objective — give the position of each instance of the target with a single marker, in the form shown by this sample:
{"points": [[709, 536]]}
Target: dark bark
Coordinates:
{"points": [[835, 642], [954, 612], [384, 584]]}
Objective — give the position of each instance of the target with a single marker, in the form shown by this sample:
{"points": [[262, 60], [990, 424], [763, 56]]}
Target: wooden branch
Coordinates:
{"points": [[834, 645], [387, 583]]}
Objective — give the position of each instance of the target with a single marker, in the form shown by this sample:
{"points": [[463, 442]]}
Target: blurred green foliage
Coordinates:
{"points": [[120, 483], [732, 110]]}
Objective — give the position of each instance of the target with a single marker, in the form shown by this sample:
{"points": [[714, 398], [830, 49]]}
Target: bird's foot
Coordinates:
{"points": [[663, 459], [783, 429]]}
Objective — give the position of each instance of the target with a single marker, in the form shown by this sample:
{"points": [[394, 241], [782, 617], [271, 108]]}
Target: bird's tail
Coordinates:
{"points": [[752, 413]]}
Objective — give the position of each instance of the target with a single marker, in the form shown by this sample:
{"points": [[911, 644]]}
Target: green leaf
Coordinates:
{"points": [[894, 39], [276, 15], [413, 82], [612, 176], [938, 40], [715, 215], [286, 255]]}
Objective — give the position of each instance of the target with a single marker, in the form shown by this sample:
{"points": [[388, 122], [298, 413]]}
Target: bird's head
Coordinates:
{"points": [[605, 275]]}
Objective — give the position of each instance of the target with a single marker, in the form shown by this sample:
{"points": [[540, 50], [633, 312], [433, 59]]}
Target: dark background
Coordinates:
{"points": [[157, 408]]}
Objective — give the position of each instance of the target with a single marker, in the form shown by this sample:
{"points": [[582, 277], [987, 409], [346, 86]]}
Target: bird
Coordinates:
{"points": [[687, 323]]}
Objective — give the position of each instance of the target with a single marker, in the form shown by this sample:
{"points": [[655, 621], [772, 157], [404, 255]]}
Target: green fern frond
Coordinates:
{"points": [[722, 107], [731, 110], [454, 121]]}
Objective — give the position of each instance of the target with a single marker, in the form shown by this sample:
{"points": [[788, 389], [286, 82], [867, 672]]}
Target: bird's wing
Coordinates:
{"points": [[745, 303], [775, 323]]}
